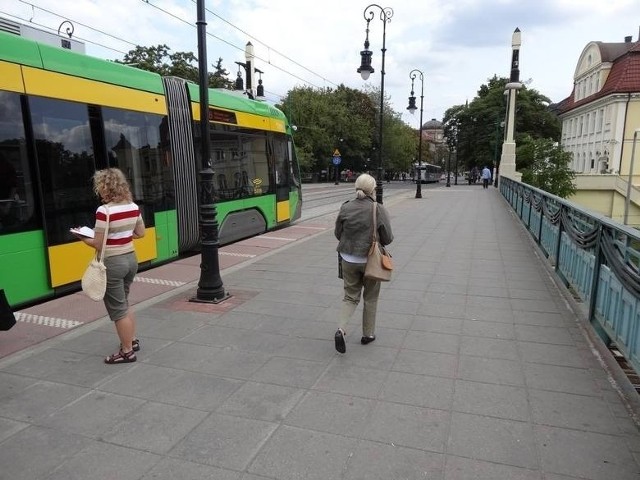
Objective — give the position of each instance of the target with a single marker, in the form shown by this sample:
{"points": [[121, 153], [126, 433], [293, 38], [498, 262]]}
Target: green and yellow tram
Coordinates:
{"points": [[64, 115]]}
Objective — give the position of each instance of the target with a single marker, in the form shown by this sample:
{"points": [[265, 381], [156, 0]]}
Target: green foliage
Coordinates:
{"points": [[476, 129], [158, 59], [326, 119], [548, 166], [347, 119], [219, 77]]}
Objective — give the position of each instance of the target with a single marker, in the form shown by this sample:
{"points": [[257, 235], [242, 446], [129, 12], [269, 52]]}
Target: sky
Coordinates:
{"points": [[457, 45]]}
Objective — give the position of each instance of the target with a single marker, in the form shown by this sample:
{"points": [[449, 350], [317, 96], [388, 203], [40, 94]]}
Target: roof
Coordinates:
{"points": [[432, 124], [624, 76]]}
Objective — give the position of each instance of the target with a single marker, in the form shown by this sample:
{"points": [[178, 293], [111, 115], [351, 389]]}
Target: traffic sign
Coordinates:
{"points": [[337, 160], [336, 153]]}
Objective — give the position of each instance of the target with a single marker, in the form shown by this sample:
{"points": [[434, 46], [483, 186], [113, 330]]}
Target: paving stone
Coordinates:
{"points": [[585, 454], [376, 461], [224, 441], [493, 439], [293, 453], [409, 426]]}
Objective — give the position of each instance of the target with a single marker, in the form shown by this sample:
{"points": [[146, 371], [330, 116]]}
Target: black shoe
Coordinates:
{"points": [[340, 345], [365, 340]]}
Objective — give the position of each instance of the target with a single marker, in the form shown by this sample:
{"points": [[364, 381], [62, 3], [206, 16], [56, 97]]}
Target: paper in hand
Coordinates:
{"points": [[84, 231]]}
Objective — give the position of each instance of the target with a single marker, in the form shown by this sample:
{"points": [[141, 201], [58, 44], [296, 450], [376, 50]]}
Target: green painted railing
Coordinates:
{"points": [[597, 258]]}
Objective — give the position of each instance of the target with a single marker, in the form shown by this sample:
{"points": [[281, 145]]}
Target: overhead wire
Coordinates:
{"points": [[179, 19], [78, 23], [148, 2], [85, 40], [266, 45]]}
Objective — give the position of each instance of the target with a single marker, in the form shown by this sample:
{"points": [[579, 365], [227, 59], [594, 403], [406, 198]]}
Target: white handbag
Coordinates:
{"points": [[94, 280]]}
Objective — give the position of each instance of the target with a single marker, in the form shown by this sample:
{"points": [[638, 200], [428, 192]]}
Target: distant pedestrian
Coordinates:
{"points": [[353, 229], [486, 177], [123, 225]]}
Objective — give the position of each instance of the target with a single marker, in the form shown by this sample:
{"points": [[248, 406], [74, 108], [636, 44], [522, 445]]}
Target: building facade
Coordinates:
{"points": [[433, 141], [598, 122]]}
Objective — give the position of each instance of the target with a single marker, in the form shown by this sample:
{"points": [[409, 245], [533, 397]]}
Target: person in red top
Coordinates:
{"points": [[120, 217]]}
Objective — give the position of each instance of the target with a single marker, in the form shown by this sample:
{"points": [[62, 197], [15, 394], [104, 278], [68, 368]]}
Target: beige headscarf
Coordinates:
{"points": [[365, 186]]}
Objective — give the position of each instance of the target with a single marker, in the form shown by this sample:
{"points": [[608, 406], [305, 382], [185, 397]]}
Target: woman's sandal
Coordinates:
{"points": [[135, 344], [121, 357]]}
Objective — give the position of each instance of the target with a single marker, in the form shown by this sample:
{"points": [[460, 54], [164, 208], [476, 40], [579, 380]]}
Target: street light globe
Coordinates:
{"points": [[365, 74]]}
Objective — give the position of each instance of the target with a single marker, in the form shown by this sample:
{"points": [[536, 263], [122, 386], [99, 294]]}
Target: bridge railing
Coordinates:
{"points": [[596, 258]]}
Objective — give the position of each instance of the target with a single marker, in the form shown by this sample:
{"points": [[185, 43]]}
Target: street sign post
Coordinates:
{"points": [[337, 159]]}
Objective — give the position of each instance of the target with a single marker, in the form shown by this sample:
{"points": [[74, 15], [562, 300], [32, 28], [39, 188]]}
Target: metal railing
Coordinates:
{"points": [[597, 258]]}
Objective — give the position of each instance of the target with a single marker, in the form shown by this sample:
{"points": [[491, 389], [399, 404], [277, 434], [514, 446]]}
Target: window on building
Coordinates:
{"points": [[599, 122], [587, 122]]}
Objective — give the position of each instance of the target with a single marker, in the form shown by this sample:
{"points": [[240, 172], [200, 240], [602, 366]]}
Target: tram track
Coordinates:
{"points": [[319, 200]]}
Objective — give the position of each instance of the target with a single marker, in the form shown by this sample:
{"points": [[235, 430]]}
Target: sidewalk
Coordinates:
{"points": [[479, 371]]}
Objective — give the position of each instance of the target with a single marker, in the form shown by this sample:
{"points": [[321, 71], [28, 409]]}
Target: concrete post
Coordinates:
{"points": [[508, 158], [250, 69]]}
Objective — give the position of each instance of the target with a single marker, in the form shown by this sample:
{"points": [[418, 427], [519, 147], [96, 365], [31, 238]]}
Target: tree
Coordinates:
{"points": [[219, 78], [477, 124], [151, 59], [400, 145], [158, 59], [548, 166], [326, 119]]}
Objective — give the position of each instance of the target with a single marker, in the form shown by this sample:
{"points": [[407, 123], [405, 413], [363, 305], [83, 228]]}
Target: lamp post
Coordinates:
{"points": [[366, 69], [449, 169], [627, 200], [508, 159], [252, 91], [210, 287], [496, 160], [455, 178], [337, 159], [412, 108], [452, 141]]}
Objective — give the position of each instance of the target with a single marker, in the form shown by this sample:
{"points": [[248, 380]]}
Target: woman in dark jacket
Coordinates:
{"points": [[354, 233]]}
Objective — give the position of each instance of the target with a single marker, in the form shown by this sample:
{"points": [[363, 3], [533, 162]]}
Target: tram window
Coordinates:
{"points": [[281, 161], [254, 151], [239, 155], [135, 145], [292, 162], [65, 153], [17, 203]]}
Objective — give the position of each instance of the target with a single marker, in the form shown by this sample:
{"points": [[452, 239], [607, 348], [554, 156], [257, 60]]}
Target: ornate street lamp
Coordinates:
{"points": [[412, 108], [449, 168], [455, 178], [496, 159], [452, 141], [508, 159], [366, 69], [210, 287]]}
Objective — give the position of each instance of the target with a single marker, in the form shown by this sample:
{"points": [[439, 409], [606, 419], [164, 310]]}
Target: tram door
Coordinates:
{"points": [[282, 178]]}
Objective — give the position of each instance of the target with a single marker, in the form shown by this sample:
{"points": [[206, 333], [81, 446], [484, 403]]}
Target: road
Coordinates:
{"points": [[320, 199]]}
